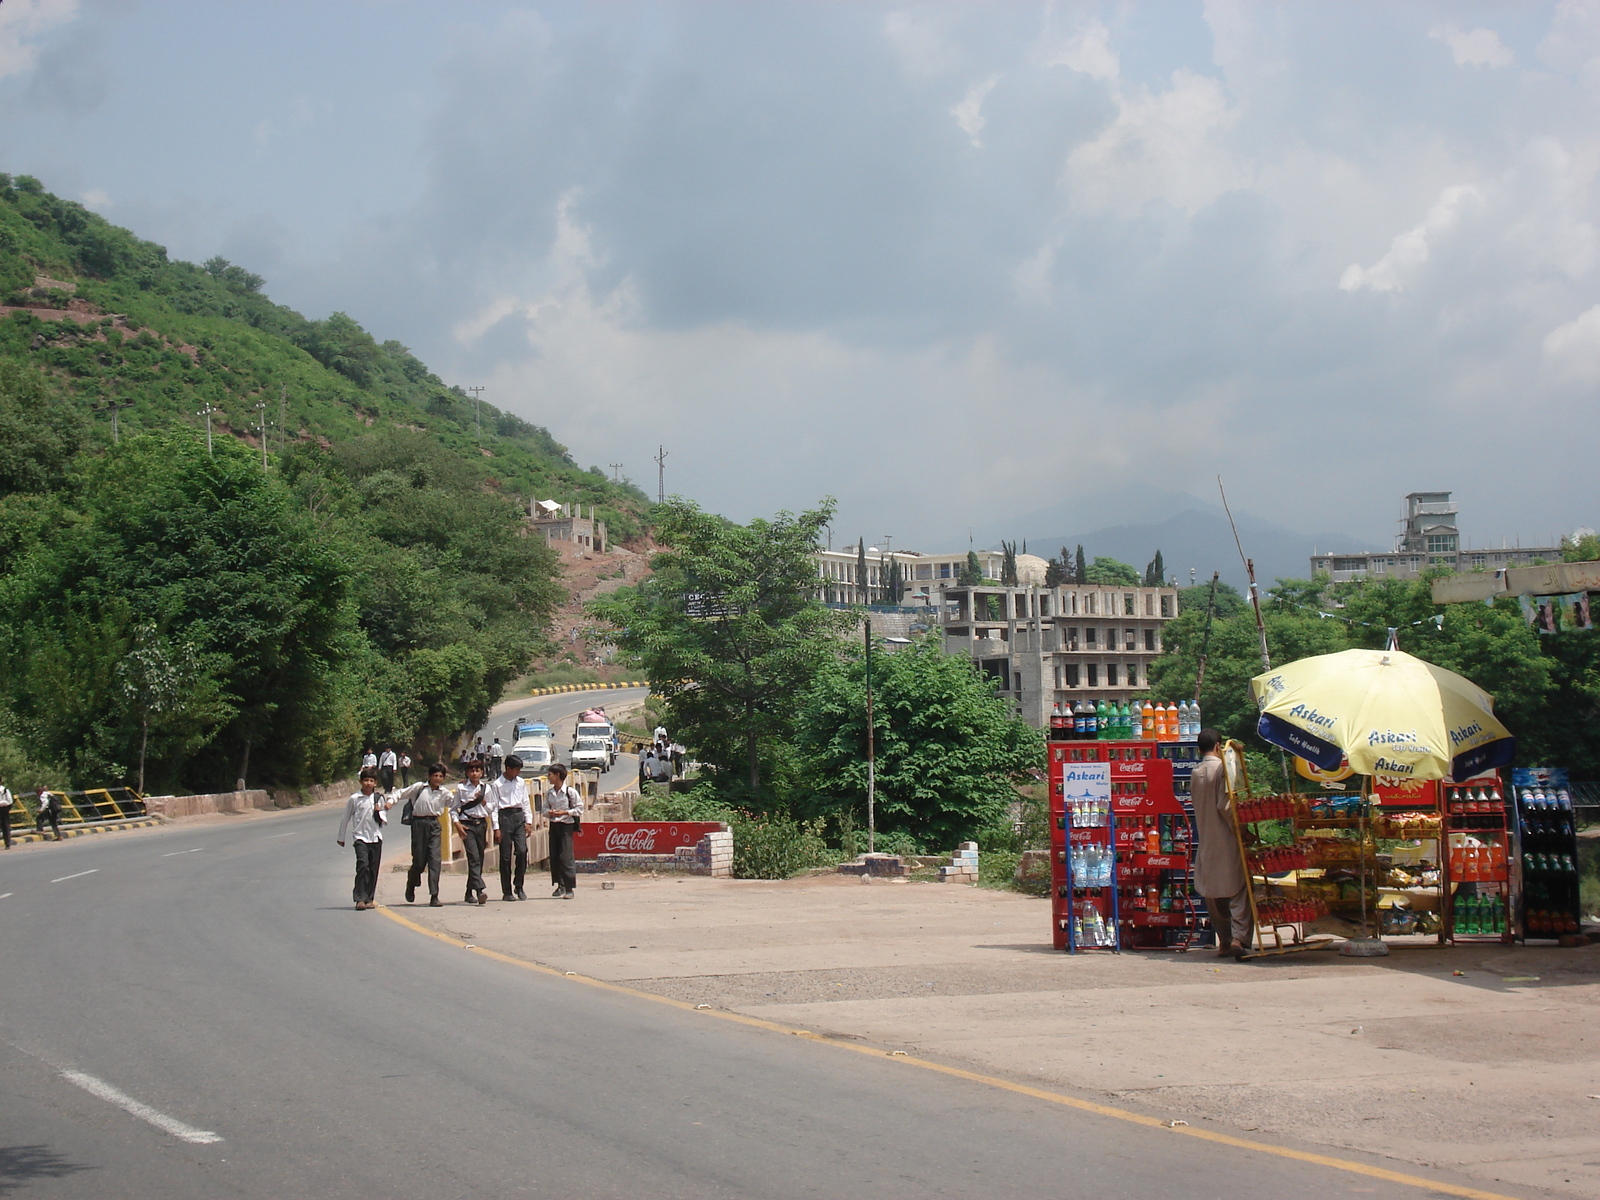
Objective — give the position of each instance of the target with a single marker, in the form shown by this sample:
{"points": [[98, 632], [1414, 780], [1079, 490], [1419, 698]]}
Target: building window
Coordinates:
{"points": [[1074, 603], [1441, 543], [1150, 639], [1166, 606], [1349, 564], [1149, 605], [1072, 675], [1058, 674], [1088, 603], [1017, 684], [1072, 642], [1133, 674], [1090, 636], [1094, 675], [1111, 674], [1128, 636], [1128, 609]]}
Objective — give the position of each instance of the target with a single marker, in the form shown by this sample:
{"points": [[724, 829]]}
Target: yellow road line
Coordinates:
{"points": [[1021, 1089]]}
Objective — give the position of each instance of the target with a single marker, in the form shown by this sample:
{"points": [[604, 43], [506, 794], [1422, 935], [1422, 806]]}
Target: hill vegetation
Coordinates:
{"points": [[192, 609]]}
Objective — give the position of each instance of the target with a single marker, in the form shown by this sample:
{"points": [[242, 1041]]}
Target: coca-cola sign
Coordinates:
{"points": [[638, 837]]}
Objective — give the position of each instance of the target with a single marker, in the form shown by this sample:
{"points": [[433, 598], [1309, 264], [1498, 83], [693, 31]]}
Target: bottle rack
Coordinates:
{"points": [[1151, 899], [1545, 853], [1476, 862]]}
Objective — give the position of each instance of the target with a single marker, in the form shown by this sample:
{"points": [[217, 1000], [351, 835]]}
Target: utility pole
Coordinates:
{"points": [[261, 424], [872, 764], [206, 413], [477, 401], [113, 407], [661, 474], [283, 417], [888, 538], [616, 472]]}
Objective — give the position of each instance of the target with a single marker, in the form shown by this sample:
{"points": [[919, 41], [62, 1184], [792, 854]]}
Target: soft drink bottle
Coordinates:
{"points": [[1172, 722], [1147, 721]]}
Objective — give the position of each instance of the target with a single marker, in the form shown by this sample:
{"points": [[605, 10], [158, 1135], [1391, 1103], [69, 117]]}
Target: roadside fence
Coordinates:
{"points": [[81, 808], [589, 687]]}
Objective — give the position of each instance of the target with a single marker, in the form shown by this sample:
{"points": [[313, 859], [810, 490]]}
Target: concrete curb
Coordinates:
{"points": [[589, 687], [72, 831]]}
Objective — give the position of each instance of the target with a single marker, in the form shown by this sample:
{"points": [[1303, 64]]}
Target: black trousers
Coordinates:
{"points": [[424, 853], [51, 814], [386, 778], [368, 856], [5, 824], [472, 840], [513, 845], [563, 867]]}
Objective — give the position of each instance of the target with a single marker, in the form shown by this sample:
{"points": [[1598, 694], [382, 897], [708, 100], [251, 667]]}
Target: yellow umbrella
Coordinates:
{"points": [[1386, 711]]}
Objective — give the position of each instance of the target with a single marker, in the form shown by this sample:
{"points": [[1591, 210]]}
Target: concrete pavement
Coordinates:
{"points": [[1491, 1071]]}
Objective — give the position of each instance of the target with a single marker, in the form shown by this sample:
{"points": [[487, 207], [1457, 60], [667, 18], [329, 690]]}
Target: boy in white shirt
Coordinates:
{"points": [[364, 816]]}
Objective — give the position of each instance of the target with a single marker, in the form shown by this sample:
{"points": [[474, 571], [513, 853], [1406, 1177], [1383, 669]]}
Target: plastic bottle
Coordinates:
{"points": [[1147, 721], [1172, 722], [1194, 719]]}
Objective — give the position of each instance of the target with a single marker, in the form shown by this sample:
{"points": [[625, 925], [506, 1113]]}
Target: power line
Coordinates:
{"points": [[113, 407]]}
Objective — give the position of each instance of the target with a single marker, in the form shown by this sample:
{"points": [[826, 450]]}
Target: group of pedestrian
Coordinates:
{"points": [[663, 760], [388, 764], [47, 808], [478, 809]]}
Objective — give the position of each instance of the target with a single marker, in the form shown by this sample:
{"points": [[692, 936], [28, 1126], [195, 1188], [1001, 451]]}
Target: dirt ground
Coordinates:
{"points": [[1478, 1058]]}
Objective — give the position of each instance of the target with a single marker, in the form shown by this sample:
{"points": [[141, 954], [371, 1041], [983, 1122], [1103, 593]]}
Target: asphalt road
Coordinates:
{"points": [[558, 712], [276, 1043]]}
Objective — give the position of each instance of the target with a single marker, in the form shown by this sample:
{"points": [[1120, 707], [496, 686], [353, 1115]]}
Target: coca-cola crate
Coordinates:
{"points": [[1160, 920]]}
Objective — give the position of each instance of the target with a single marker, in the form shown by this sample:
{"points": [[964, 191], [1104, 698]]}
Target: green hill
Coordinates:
{"points": [[206, 614]]}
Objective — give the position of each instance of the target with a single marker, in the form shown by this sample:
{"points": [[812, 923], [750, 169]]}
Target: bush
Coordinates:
{"points": [[774, 847], [894, 842], [998, 869], [698, 804]]}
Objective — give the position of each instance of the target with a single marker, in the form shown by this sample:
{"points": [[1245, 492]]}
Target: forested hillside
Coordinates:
{"points": [[198, 615]]}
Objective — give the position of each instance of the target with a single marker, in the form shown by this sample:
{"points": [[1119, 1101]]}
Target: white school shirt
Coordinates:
{"points": [[425, 801], [507, 793], [466, 803], [369, 760], [5, 796], [365, 814], [562, 804], [388, 759]]}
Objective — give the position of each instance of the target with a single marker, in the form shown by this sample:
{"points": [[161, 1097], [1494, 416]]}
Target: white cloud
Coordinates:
{"points": [[1574, 348], [1410, 249], [1088, 51], [1474, 47], [969, 113], [1165, 146], [96, 198], [22, 23]]}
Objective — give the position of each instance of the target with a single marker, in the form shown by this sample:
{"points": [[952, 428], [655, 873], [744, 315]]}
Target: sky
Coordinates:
{"points": [[948, 263]]}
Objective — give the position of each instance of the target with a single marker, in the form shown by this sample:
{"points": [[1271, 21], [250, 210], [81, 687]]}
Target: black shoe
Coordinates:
{"points": [[411, 893], [566, 893], [556, 895], [508, 896], [483, 897], [522, 895], [435, 902]]}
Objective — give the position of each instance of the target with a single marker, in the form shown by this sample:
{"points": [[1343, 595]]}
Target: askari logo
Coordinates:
{"points": [[1384, 766], [1398, 743], [1304, 712], [1457, 736]]}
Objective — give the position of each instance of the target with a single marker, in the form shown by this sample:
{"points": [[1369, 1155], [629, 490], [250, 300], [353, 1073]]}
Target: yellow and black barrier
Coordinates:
{"points": [[588, 687]]}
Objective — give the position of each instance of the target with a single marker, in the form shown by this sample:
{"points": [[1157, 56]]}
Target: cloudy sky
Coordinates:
{"points": [[952, 263]]}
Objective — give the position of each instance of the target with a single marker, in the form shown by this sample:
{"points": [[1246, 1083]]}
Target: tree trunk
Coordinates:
{"points": [[752, 750], [144, 740], [244, 766]]}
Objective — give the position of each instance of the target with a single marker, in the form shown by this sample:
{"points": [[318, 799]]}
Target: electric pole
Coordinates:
{"points": [[661, 474], [206, 413], [477, 402], [261, 425], [113, 407], [616, 472], [283, 417]]}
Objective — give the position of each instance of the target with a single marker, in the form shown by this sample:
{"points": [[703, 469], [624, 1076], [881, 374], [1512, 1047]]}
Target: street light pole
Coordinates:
{"points": [[206, 413]]}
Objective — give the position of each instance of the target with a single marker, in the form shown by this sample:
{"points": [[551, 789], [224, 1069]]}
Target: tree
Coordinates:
{"points": [[1080, 572], [1155, 575], [171, 691], [1058, 571], [1008, 564], [863, 589], [896, 581], [1108, 572], [972, 573], [729, 632], [948, 750], [39, 431]]}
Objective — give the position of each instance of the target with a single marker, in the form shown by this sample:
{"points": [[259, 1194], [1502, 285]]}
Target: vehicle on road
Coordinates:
{"points": [[536, 753], [591, 753], [601, 731], [525, 728]]}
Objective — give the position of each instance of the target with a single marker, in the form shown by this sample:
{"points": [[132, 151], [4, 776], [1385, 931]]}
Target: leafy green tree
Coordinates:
{"points": [[39, 433], [1155, 574], [1080, 571], [729, 632], [1227, 602], [1008, 564], [863, 588], [948, 750], [171, 692], [1109, 572], [972, 572], [1058, 571], [896, 581], [1583, 546]]}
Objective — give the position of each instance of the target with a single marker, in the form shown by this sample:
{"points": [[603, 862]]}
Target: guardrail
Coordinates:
{"points": [[589, 687], [82, 808]]}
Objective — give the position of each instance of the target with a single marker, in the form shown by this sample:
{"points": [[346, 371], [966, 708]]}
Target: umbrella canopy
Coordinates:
{"points": [[1386, 711]]}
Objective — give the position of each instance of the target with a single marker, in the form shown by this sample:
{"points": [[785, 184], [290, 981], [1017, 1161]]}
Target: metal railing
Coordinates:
{"points": [[80, 808]]}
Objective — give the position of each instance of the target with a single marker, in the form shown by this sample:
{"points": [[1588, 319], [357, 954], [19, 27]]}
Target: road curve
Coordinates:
{"points": [[197, 1012]]}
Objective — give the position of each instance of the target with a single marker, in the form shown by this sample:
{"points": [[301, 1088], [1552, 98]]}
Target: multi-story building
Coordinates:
{"points": [[559, 522], [924, 576], [1049, 648], [1430, 538]]}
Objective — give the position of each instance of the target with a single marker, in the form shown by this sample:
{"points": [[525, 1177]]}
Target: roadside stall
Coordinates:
{"points": [[1409, 832]]}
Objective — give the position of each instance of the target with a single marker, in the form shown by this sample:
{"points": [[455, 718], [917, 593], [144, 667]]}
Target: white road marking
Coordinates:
{"points": [[102, 1089], [79, 875], [278, 835], [6, 895], [175, 853]]}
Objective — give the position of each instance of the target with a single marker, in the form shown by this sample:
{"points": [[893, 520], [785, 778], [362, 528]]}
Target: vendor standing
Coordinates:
{"points": [[1218, 866]]}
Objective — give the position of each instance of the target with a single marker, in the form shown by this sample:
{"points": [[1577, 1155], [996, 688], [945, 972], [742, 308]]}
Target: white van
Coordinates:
{"points": [[595, 731]]}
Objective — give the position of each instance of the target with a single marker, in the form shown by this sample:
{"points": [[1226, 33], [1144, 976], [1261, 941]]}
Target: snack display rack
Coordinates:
{"points": [[1544, 853], [1281, 908], [1148, 832]]}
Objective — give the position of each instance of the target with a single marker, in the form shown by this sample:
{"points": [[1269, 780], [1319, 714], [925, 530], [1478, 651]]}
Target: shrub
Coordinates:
{"points": [[774, 847], [895, 842], [697, 804]]}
